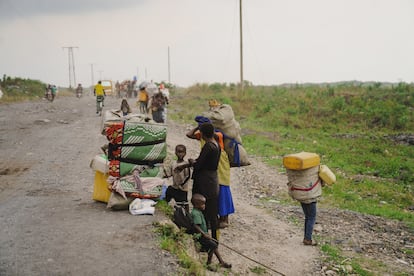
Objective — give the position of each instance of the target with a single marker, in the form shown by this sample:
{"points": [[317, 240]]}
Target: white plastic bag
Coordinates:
{"points": [[142, 207]]}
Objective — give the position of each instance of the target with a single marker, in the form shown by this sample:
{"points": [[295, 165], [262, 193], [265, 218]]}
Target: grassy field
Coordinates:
{"points": [[352, 126]]}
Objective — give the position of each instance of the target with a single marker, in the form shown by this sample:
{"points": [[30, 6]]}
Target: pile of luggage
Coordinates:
{"points": [[132, 166], [306, 176]]}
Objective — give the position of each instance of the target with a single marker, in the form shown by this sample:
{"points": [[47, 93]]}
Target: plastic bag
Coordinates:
{"points": [[142, 207]]}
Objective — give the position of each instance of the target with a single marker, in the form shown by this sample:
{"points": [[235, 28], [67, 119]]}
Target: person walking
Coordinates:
{"points": [[79, 91], [159, 107], [143, 100]]}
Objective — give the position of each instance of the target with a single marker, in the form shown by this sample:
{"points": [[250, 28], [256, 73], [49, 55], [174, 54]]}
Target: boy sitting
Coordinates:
{"points": [[208, 244]]}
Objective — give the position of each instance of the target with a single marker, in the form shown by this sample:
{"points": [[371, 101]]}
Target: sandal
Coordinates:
{"points": [[212, 268], [309, 242]]}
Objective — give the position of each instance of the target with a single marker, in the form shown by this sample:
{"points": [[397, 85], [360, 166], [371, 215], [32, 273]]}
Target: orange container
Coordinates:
{"points": [[301, 161], [100, 187]]}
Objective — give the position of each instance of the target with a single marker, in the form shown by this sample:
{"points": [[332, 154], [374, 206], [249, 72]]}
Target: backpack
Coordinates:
{"points": [[183, 219]]}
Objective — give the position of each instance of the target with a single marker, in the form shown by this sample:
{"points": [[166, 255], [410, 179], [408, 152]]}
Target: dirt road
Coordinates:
{"points": [[51, 226], [49, 223]]}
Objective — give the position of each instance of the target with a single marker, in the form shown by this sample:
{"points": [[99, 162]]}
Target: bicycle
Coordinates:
{"points": [[99, 104]]}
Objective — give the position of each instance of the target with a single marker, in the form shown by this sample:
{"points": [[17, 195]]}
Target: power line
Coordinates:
{"points": [[71, 62]]}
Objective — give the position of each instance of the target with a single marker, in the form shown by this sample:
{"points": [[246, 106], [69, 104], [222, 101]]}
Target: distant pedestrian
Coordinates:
{"points": [[79, 91], [143, 100], [159, 107], [125, 108]]}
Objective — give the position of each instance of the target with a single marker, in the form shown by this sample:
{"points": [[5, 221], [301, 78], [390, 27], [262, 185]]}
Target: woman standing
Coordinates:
{"points": [[205, 179]]}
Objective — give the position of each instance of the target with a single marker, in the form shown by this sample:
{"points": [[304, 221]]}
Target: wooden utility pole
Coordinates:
{"points": [[241, 49]]}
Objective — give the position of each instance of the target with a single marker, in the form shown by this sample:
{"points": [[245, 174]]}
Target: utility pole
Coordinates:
{"points": [[71, 61], [169, 72]]}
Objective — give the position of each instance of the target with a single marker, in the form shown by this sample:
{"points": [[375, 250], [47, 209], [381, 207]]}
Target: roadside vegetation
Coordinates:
{"points": [[17, 89], [363, 132], [177, 242], [360, 131]]}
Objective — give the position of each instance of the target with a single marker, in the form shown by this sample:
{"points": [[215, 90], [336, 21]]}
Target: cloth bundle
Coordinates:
{"points": [[138, 187], [115, 116], [222, 118], [137, 142], [119, 169]]}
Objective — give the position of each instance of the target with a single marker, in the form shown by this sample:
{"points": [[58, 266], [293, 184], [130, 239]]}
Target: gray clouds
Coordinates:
{"points": [[12, 9]]}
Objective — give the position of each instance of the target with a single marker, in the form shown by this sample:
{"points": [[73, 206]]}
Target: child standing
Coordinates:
{"points": [[208, 244], [179, 189]]}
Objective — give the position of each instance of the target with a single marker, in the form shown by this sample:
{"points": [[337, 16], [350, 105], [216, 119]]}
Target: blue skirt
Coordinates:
{"points": [[226, 206]]}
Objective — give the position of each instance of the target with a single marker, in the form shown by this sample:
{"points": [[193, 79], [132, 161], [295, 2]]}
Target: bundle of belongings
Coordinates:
{"points": [[306, 176], [223, 120], [132, 167]]}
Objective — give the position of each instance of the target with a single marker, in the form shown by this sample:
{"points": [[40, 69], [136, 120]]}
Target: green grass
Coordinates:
{"points": [[347, 125], [18, 89], [177, 242], [334, 256]]}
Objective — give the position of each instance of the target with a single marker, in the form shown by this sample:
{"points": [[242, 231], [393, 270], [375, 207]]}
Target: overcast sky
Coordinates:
{"points": [[284, 41]]}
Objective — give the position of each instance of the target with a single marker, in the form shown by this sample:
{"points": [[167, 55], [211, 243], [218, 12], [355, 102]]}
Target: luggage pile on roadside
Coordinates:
{"points": [[223, 120], [132, 167], [306, 176]]}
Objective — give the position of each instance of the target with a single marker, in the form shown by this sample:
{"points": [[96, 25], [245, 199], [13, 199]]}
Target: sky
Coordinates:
{"points": [[198, 41]]}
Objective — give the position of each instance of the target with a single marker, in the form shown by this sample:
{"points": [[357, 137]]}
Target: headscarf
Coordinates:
{"points": [[201, 120]]}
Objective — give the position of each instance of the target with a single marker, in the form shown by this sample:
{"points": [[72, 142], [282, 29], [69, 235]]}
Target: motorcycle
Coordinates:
{"points": [[49, 95]]}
